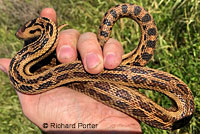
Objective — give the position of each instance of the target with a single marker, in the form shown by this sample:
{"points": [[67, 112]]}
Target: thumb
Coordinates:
{"points": [[4, 64]]}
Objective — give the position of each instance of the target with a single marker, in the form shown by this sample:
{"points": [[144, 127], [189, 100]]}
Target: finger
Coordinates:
{"points": [[90, 52], [49, 13], [66, 49], [112, 53], [4, 64]]}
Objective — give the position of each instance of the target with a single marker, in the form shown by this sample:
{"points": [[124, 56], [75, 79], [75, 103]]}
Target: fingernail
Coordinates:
{"points": [[3, 69], [92, 60], [110, 58], [66, 52]]}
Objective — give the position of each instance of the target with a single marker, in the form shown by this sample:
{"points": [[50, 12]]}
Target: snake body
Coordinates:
{"points": [[117, 88]]}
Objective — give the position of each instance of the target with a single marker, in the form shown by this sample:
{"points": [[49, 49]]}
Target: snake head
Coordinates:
{"points": [[30, 30]]}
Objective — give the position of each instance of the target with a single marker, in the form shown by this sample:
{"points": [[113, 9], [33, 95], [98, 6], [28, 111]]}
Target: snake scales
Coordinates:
{"points": [[117, 88]]}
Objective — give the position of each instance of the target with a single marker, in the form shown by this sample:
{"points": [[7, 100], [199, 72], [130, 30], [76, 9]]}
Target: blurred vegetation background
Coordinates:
{"points": [[178, 49]]}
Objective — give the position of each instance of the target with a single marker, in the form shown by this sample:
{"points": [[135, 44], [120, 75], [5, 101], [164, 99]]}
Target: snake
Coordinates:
{"points": [[35, 69]]}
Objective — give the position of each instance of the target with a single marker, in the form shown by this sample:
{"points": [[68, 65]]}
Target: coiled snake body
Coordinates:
{"points": [[117, 88]]}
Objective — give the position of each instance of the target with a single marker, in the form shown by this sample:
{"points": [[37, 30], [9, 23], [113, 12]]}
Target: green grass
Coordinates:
{"points": [[178, 49]]}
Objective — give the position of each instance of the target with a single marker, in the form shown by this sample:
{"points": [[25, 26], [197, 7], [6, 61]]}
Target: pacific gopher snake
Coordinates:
{"points": [[117, 88]]}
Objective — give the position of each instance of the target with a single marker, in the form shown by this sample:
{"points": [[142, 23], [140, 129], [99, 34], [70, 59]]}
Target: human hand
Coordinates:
{"points": [[64, 105]]}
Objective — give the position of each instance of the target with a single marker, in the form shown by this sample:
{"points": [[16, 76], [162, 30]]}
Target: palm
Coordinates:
{"points": [[63, 105]]}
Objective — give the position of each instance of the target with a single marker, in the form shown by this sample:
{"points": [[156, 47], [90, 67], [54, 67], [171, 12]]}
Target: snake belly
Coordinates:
{"points": [[117, 88]]}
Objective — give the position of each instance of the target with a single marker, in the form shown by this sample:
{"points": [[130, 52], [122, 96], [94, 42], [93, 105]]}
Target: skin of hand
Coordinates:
{"points": [[64, 105]]}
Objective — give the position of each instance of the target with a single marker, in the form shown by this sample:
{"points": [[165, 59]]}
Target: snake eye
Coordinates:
{"points": [[34, 31]]}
